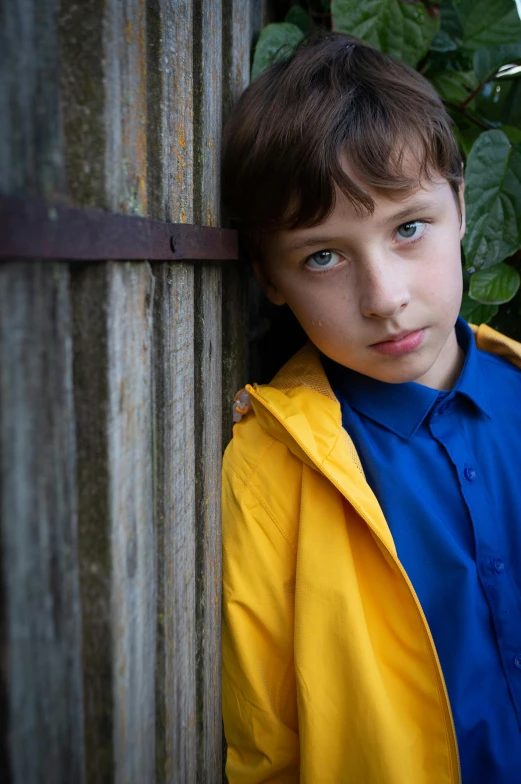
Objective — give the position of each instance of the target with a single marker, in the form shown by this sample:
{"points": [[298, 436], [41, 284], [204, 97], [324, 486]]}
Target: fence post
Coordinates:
{"points": [[208, 388], [41, 691], [104, 81], [170, 174]]}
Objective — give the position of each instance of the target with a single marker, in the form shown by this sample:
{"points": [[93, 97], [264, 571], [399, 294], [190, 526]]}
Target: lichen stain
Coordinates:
{"points": [[183, 216], [128, 32], [141, 191], [181, 139]]}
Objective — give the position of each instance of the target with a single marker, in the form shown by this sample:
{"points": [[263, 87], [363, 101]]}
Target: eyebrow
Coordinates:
{"points": [[415, 206], [406, 212]]}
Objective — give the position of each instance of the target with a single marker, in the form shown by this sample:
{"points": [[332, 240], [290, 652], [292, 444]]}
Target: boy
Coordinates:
{"points": [[371, 504]]}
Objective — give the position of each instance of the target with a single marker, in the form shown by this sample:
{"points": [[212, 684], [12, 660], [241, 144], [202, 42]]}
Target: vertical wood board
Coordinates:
{"points": [[170, 178], [236, 67], [130, 296], [89, 307], [208, 388], [175, 525], [129, 338], [41, 631], [41, 636], [125, 61]]}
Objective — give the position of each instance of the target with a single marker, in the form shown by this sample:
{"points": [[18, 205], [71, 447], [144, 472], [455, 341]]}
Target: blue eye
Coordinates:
{"points": [[322, 259], [412, 230]]}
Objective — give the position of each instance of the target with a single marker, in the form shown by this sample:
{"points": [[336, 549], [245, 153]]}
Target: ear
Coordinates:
{"points": [[461, 197], [269, 288]]}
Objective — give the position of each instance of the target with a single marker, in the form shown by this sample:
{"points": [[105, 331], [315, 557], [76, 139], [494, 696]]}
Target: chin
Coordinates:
{"points": [[398, 375]]}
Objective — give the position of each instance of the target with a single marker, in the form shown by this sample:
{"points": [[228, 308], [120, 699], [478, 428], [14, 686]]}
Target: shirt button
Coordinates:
{"points": [[469, 473], [517, 661], [443, 408], [498, 565]]}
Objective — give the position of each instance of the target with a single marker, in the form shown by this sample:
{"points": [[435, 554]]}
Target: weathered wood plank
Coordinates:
{"points": [[41, 631], [236, 67], [208, 504], [42, 634], [89, 307], [125, 78], [175, 526], [104, 85], [83, 96], [130, 297], [113, 316], [129, 340], [170, 173], [208, 388]]}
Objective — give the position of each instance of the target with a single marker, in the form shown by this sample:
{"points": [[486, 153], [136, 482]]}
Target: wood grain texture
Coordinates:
{"points": [[130, 297], [137, 425], [31, 135], [129, 343], [41, 631], [208, 388], [236, 68], [208, 505], [125, 78], [170, 173], [83, 96], [175, 526], [89, 306], [104, 85], [83, 101]]}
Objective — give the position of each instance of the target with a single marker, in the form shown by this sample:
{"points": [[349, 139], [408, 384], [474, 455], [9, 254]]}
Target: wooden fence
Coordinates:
{"points": [[112, 377]]}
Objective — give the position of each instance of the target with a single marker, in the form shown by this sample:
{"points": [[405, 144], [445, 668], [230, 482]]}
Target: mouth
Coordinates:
{"points": [[401, 343]]}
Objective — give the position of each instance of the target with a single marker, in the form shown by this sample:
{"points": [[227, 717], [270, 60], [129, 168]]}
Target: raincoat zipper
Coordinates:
{"points": [[253, 392]]}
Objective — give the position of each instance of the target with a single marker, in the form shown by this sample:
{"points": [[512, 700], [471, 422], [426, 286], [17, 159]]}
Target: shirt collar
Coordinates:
{"points": [[402, 408]]}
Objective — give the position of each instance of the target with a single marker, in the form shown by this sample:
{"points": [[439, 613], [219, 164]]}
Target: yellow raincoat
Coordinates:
{"points": [[330, 673]]}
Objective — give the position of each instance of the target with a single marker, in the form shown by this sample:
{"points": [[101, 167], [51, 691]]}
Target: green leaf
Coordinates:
{"points": [[476, 312], [493, 200], [403, 30], [442, 42], [450, 20], [455, 86], [495, 285], [489, 23], [513, 134], [276, 42], [488, 61], [299, 17]]}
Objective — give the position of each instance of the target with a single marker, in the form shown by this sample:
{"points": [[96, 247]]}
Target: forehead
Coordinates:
{"points": [[390, 208]]}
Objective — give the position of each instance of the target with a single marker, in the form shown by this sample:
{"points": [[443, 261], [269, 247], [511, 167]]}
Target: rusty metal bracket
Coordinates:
{"points": [[35, 230]]}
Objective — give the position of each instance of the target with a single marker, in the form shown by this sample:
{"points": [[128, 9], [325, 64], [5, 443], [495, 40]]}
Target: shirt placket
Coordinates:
{"points": [[491, 557]]}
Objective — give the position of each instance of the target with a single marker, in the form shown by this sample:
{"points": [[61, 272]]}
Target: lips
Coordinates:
{"points": [[402, 343]]}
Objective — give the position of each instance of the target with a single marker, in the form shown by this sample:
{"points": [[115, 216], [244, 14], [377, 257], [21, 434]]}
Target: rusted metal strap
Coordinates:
{"points": [[35, 230]]}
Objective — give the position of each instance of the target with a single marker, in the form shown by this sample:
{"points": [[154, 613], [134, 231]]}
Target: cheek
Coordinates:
{"points": [[321, 304], [444, 271]]}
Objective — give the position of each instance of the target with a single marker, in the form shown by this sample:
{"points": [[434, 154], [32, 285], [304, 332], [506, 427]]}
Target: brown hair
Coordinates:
{"points": [[335, 96]]}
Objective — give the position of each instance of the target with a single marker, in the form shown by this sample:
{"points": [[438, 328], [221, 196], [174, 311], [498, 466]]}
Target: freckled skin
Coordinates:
{"points": [[378, 283]]}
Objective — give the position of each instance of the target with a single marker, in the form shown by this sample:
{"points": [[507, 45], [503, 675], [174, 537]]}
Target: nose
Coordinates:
{"points": [[384, 289]]}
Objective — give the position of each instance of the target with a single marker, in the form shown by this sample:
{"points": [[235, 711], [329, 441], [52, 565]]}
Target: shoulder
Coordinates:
{"points": [[496, 344], [261, 483]]}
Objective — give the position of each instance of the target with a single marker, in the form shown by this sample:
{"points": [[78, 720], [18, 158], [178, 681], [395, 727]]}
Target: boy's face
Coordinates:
{"points": [[378, 293]]}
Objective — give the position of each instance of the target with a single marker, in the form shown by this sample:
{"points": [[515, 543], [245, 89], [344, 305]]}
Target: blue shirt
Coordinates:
{"points": [[446, 469]]}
